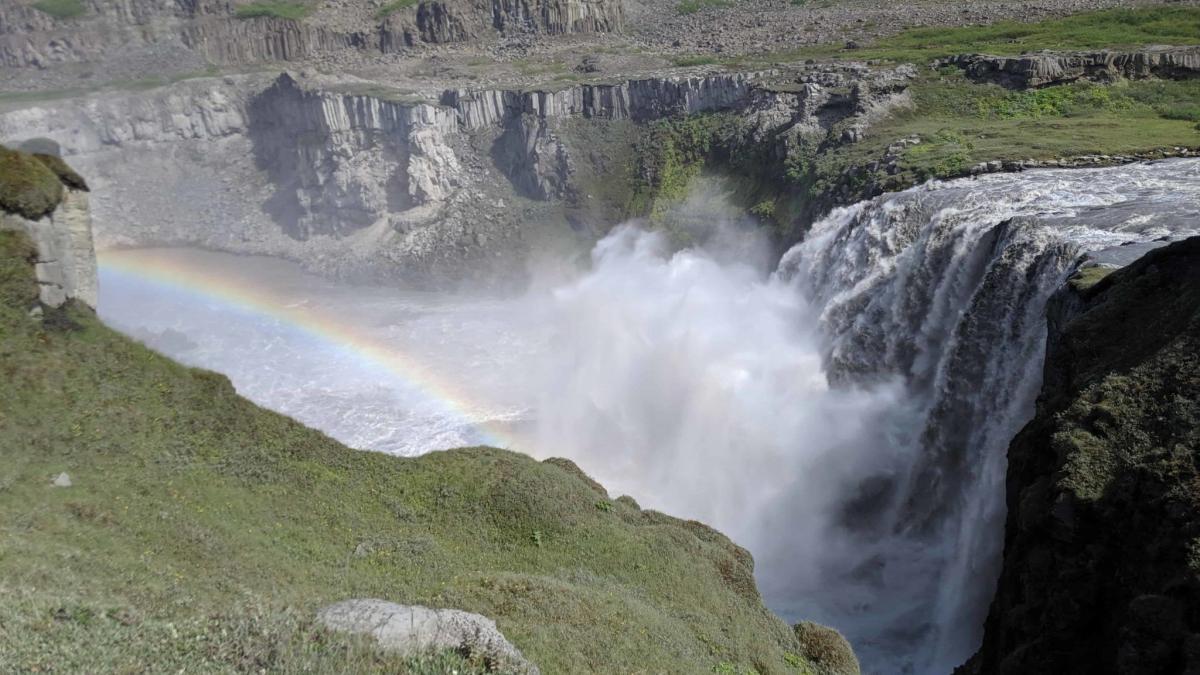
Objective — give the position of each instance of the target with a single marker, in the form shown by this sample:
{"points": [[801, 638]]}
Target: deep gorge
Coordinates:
{"points": [[915, 329]]}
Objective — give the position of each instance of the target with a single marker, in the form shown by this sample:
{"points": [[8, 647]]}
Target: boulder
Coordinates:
{"points": [[413, 629]]}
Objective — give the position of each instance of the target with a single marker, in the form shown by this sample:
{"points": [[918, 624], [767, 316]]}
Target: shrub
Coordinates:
{"points": [[827, 649], [61, 9]]}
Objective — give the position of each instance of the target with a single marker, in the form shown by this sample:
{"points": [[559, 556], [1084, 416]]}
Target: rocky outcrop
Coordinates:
{"points": [[339, 162], [352, 178], [1047, 68], [153, 38], [1101, 569], [416, 630], [637, 100], [61, 232], [266, 39], [557, 16]]}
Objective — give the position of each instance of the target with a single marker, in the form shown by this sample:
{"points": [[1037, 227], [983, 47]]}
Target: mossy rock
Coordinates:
{"points": [[28, 187], [65, 173], [826, 649]]}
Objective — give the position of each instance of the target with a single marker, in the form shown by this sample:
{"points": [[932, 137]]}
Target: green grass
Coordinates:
{"points": [[61, 9], [393, 7], [278, 9], [693, 6], [202, 529]]}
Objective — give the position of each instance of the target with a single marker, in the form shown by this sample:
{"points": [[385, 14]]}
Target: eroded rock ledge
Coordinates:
{"points": [[1043, 69]]}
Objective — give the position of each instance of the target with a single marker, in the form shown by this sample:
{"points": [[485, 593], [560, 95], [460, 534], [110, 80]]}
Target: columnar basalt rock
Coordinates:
{"points": [[1043, 69], [1100, 549], [66, 260]]}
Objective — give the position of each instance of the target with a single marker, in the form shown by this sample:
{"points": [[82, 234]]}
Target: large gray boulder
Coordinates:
{"points": [[413, 629]]}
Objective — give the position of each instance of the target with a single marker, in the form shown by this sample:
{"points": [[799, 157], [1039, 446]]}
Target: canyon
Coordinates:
{"points": [[862, 280]]}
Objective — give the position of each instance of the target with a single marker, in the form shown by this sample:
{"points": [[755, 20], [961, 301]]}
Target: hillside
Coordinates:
{"points": [[200, 531]]}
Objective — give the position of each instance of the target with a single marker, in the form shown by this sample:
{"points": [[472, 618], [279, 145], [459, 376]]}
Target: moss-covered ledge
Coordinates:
{"points": [[32, 185]]}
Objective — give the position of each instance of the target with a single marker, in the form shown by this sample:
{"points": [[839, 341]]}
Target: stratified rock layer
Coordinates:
{"points": [[1048, 68]]}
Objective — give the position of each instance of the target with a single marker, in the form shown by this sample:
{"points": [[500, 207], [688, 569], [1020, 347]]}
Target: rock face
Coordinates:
{"points": [[155, 37], [413, 629], [339, 174], [1102, 544], [353, 179], [1050, 68], [66, 262]]}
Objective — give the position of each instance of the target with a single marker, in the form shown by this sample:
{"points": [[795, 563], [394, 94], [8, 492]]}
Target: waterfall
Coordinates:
{"points": [[845, 417], [945, 288]]}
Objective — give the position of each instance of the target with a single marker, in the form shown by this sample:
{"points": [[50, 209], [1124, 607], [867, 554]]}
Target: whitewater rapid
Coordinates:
{"points": [[844, 417]]}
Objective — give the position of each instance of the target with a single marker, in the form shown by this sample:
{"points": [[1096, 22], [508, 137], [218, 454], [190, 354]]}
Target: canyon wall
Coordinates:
{"points": [[161, 37], [1100, 561], [355, 180]]}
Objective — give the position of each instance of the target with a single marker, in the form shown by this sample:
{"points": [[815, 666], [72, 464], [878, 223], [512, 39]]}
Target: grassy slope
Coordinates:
{"points": [[196, 513]]}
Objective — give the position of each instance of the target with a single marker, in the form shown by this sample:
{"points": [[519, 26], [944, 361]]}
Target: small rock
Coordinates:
{"points": [[62, 480], [36, 313]]}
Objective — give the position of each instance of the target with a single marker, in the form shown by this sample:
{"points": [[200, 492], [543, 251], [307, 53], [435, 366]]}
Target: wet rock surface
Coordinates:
{"points": [[1100, 569]]}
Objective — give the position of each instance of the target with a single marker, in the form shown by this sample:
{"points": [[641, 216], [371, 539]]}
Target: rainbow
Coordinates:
{"points": [[181, 272]]}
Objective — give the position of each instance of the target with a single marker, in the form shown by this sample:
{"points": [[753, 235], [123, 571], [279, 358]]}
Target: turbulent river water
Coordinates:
{"points": [[844, 416]]}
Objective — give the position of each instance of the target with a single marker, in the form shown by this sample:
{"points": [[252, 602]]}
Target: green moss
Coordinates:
{"points": [[1086, 277], [190, 502], [693, 6], [826, 649], [961, 124], [670, 154], [27, 186], [393, 7], [61, 9], [278, 9]]}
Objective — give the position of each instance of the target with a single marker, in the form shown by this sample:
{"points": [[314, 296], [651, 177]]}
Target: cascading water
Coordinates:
{"points": [[845, 417], [875, 505]]}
